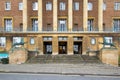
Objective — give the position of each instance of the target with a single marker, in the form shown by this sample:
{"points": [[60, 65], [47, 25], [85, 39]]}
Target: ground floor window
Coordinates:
{"points": [[108, 39], [18, 40], [2, 41]]}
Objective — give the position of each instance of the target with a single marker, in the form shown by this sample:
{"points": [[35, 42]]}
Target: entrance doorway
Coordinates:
{"points": [[62, 47], [47, 47], [77, 48]]}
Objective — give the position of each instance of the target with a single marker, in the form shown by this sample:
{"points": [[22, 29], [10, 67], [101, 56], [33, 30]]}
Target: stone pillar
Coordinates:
{"points": [[26, 42], [8, 43], [25, 15], [70, 14], [85, 14], [55, 45], [55, 20], [100, 15], [40, 45], [40, 15], [70, 45]]}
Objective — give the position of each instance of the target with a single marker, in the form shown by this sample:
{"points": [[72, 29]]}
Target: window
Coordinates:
{"points": [[62, 25], [47, 38], [90, 6], [32, 41], [48, 6], [104, 6], [108, 39], [20, 6], [62, 38], [8, 24], [62, 6], [7, 6], [93, 41], [76, 6], [90, 24], [35, 6], [18, 40], [116, 24], [117, 6], [2, 41], [34, 24]]}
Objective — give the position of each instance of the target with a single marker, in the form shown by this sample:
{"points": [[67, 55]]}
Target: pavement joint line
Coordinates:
{"points": [[61, 73]]}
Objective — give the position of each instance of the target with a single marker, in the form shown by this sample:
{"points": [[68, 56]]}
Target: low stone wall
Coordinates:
{"points": [[110, 56], [18, 55]]}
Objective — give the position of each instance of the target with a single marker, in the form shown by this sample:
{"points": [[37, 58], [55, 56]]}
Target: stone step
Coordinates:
{"points": [[63, 59]]}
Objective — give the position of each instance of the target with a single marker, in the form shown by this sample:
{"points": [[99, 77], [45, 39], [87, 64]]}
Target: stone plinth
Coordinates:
{"points": [[18, 55], [110, 56]]}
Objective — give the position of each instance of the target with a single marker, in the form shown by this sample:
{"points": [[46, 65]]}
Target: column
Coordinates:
{"points": [[26, 42], [40, 15], [55, 45], [85, 14], [70, 45], [55, 20], [40, 45], [70, 14], [100, 15], [25, 15], [8, 43]]}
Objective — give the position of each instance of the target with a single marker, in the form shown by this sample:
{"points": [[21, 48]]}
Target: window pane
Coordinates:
{"points": [[76, 5], [7, 6], [62, 6], [2, 41], [35, 6], [90, 6], [48, 6], [20, 6]]}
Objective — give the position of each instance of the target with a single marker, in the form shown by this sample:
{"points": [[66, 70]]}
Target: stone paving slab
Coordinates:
{"points": [[67, 69]]}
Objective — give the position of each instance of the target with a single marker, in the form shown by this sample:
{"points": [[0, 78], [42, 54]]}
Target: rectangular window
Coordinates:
{"points": [[62, 38], [48, 6], [8, 24], [90, 24], [20, 6], [47, 38], [34, 24], [17, 40], [117, 6], [62, 25], [108, 39], [104, 6], [32, 40], [2, 41], [35, 6], [7, 6], [90, 6], [76, 6], [62, 6], [116, 24]]}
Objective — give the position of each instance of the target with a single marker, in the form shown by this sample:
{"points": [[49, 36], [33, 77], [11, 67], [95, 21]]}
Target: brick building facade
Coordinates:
{"points": [[59, 26]]}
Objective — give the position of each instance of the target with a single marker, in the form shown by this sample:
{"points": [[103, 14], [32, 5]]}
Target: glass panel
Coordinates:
{"points": [[2, 41], [34, 24], [8, 24]]}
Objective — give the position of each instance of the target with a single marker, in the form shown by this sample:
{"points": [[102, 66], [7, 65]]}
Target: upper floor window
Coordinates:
{"points": [[62, 6], [49, 6], [7, 6], [90, 6], [104, 6], [116, 24], [8, 24], [117, 6], [20, 6], [35, 5], [76, 6]]}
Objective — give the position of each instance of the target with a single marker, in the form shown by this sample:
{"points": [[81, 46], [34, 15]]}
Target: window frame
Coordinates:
{"points": [[62, 6], [8, 6], [20, 6], [76, 6], [90, 6], [48, 6], [35, 6]]}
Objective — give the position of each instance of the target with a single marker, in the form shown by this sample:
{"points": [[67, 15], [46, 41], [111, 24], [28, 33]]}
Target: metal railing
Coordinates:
{"points": [[31, 30]]}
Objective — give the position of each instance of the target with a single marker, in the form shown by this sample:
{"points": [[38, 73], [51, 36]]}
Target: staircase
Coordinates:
{"points": [[73, 59]]}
